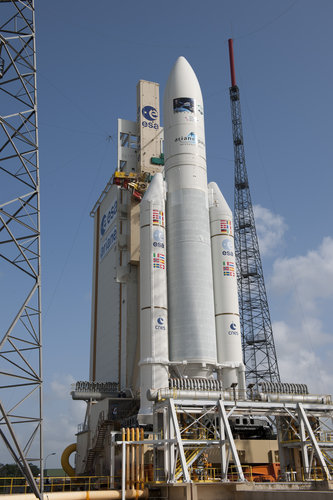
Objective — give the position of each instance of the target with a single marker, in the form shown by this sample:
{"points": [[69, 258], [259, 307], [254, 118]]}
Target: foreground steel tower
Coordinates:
{"points": [[20, 335], [258, 343]]}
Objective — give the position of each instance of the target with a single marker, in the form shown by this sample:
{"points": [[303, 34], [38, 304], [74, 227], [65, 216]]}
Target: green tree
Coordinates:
{"points": [[12, 470]]}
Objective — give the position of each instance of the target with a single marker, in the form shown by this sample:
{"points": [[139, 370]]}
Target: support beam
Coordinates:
{"points": [[304, 447], [224, 466], [231, 441], [313, 439], [182, 457]]}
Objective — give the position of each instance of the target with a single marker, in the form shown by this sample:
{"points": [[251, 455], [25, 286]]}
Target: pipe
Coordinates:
{"points": [[84, 495], [142, 459], [295, 398], [157, 394], [137, 459], [95, 395], [128, 459], [132, 459]]}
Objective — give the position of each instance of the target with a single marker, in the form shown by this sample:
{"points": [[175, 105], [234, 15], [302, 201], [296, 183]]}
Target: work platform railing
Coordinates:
{"points": [[17, 485]]}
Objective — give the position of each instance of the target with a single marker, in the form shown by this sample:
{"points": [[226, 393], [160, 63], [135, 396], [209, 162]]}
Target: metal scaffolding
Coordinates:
{"points": [[185, 431], [20, 337], [258, 342]]}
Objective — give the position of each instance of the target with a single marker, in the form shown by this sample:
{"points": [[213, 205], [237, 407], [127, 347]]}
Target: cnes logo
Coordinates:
{"points": [[233, 329], [160, 323]]}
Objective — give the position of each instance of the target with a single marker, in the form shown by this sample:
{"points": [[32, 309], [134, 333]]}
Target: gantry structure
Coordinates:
{"points": [[258, 343], [20, 335]]}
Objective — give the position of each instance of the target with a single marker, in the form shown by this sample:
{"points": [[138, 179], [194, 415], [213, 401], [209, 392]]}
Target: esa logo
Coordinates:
{"points": [[158, 239], [150, 114], [160, 324], [108, 244], [108, 218], [233, 329], [227, 246]]}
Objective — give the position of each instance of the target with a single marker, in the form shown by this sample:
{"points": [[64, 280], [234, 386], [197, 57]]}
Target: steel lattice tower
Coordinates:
{"points": [[257, 339], [20, 335]]}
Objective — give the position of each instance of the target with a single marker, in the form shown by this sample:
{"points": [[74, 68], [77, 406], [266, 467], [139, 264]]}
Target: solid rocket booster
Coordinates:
{"points": [[153, 296], [228, 334], [190, 282]]}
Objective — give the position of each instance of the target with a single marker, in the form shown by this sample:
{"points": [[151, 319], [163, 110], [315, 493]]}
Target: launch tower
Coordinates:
{"points": [[258, 342], [20, 338]]}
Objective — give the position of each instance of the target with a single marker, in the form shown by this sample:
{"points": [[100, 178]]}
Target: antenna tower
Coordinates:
{"points": [[20, 328], [257, 339]]}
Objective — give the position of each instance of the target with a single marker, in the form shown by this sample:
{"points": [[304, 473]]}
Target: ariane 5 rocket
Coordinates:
{"points": [[189, 285]]}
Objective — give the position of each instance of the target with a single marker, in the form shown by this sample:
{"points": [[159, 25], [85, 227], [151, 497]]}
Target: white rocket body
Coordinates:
{"points": [[153, 296], [194, 299], [228, 333], [190, 283]]}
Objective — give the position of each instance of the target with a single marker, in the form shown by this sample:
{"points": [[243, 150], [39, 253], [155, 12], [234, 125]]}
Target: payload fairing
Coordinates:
{"points": [[203, 332]]}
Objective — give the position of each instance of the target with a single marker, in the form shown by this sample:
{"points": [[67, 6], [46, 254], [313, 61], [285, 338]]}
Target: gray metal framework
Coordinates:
{"points": [[175, 420], [258, 342], [20, 336], [213, 419]]}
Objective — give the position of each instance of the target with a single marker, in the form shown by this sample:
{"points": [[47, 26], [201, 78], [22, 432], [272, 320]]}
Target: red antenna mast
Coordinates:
{"points": [[232, 62]]}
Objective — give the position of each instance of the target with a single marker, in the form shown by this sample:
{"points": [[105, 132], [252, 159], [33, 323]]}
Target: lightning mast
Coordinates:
{"points": [[257, 339], [20, 334]]}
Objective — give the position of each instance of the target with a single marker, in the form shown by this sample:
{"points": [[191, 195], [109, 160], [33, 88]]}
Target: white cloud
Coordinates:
{"points": [[299, 360], [307, 278], [61, 386], [62, 417], [270, 230], [303, 339]]}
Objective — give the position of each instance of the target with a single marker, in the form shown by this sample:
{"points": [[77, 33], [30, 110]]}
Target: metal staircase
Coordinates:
{"points": [[97, 442], [191, 456]]}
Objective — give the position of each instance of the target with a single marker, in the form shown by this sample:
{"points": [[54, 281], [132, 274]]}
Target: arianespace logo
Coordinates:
{"points": [[233, 329], [108, 218], [150, 114], [160, 323], [191, 138]]}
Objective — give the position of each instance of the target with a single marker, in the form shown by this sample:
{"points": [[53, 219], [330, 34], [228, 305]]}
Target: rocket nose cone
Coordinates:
{"points": [[182, 65], [156, 189], [182, 81], [217, 200]]}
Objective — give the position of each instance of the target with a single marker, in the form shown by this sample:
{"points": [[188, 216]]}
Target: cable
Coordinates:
{"points": [[83, 214], [268, 22]]}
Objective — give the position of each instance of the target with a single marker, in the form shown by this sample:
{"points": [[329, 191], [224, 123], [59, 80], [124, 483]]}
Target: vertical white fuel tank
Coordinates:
{"points": [[228, 333], [153, 295], [190, 282]]}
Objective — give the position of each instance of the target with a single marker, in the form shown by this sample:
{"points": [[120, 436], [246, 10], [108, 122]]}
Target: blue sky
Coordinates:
{"points": [[90, 58]]}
